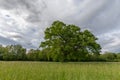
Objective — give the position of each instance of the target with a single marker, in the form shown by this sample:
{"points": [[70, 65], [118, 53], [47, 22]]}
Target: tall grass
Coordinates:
{"points": [[59, 71]]}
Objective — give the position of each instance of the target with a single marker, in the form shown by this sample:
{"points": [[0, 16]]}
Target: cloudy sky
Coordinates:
{"points": [[24, 21]]}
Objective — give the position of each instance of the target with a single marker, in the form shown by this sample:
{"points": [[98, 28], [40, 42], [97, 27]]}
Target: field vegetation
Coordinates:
{"points": [[59, 71]]}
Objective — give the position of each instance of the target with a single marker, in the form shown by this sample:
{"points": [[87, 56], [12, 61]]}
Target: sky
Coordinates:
{"points": [[24, 21]]}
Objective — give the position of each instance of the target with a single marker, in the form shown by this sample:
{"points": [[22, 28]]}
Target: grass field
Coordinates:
{"points": [[59, 71]]}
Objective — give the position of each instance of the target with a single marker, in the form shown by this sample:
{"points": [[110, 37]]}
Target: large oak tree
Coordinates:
{"points": [[69, 42]]}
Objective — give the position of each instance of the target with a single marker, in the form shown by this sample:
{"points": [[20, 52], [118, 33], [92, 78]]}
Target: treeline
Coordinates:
{"points": [[61, 43], [18, 53]]}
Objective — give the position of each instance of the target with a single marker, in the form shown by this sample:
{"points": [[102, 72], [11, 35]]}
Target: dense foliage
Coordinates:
{"points": [[18, 53], [62, 43], [69, 43]]}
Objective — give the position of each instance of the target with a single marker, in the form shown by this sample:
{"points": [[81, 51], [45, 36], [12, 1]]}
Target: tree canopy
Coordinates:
{"points": [[69, 42]]}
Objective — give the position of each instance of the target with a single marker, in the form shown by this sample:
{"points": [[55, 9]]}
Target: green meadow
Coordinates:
{"points": [[59, 71]]}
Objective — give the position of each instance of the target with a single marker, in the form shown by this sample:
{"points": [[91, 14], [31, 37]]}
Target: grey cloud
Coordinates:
{"points": [[107, 19], [26, 32], [110, 41], [29, 18], [88, 16], [33, 8], [6, 41]]}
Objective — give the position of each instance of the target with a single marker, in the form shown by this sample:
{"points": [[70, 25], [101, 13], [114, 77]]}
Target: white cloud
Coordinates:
{"points": [[110, 41], [24, 21]]}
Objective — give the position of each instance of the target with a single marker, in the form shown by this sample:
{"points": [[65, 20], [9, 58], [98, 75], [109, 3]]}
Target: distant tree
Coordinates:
{"points": [[68, 42], [33, 55], [2, 52], [117, 57], [108, 56], [20, 52], [44, 55], [15, 52], [9, 55]]}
